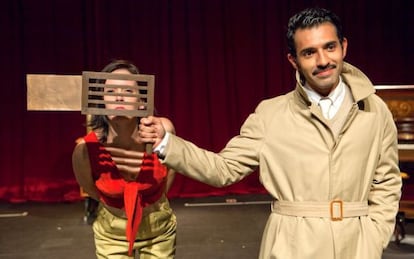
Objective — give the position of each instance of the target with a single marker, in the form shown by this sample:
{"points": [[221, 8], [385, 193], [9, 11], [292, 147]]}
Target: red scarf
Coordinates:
{"points": [[129, 196]]}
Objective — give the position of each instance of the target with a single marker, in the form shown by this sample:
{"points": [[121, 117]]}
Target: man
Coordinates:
{"points": [[333, 173]]}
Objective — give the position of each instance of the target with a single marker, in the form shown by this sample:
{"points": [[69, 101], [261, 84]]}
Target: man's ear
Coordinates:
{"points": [[344, 47], [292, 61]]}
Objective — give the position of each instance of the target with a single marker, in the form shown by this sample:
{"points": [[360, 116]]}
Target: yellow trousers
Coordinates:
{"points": [[155, 238]]}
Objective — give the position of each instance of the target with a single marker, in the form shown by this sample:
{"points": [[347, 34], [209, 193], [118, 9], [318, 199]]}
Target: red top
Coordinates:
{"points": [[129, 196]]}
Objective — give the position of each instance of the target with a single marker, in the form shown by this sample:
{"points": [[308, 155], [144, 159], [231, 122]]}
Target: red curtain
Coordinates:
{"points": [[213, 62]]}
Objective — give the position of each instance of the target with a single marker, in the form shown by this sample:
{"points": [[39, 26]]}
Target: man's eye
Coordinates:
{"points": [[308, 53], [109, 90], [130, 91], [331, 47]]}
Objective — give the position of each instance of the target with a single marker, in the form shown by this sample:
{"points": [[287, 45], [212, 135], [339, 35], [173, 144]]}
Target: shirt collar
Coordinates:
{"points": [[336, 96]]}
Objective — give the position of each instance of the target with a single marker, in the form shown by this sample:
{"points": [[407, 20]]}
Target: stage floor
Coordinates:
{"points": [[227, 227]]}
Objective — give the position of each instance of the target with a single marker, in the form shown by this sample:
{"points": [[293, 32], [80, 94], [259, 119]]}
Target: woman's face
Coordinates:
{"points": [[121, 101]]}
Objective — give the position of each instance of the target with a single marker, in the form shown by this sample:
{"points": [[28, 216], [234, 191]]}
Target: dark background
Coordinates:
{"points": [[213, 62]]}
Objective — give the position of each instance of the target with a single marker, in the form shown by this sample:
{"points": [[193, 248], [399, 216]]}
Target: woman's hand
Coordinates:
{"points": [[128, 162]]}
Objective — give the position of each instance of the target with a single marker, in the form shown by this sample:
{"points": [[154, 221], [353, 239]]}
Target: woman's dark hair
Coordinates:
{"points": [[101, 121], [308, 18]]}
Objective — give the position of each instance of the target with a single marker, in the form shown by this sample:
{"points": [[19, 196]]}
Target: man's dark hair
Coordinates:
{"points": [[309, 18]]}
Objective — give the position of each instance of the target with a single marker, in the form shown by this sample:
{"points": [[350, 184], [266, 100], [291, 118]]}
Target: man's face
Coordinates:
{"points": [[319, 57]]}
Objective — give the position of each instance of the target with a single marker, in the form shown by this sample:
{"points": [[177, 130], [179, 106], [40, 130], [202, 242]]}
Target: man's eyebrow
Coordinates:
{"points": [[310, 49], [307, 50], [334, 42]]}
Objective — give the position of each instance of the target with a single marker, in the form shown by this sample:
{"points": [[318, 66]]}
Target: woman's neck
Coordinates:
{"points": [[123, 132]]}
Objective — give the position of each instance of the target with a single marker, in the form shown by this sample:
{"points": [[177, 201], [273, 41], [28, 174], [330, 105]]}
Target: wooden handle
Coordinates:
{"points": [[148, 148]]}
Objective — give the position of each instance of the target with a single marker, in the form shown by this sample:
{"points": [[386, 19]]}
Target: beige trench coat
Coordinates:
{"points": [[301, 161]]}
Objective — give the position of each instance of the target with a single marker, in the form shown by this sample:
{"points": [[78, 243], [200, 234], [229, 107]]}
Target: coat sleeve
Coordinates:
{"points": [[385, 192], [239, 158]]}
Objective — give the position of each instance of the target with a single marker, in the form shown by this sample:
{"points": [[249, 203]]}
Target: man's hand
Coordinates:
{"points": [[151, 130], [128, 162]]}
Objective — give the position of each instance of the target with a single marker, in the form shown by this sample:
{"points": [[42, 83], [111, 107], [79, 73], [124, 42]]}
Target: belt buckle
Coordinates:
{"points": [[336, 209]]}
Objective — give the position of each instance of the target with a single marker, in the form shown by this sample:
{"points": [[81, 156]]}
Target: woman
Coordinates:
{"points": [[111, 165]]}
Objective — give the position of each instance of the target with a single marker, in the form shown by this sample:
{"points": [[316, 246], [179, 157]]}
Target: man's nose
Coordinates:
{"points": [[322, 59]]}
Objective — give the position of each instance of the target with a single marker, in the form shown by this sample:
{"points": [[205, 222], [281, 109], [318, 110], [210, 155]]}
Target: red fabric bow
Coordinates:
{"points": [[129, 196]]}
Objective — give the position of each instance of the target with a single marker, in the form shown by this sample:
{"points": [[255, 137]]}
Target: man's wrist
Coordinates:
{"points": [[160, 149]]}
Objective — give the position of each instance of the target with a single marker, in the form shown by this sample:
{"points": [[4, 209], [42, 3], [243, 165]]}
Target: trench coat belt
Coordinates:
{"points": [[335, 210]]}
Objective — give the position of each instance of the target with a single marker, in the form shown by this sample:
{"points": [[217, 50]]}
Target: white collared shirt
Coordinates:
{"points": [[336, 96]]}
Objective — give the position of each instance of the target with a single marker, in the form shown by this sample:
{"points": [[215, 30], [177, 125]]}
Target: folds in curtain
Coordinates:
{"points": [[213, 61]]}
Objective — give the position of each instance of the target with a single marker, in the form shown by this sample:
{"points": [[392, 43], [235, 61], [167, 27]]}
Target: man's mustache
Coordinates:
{"points": [[322, 69]]}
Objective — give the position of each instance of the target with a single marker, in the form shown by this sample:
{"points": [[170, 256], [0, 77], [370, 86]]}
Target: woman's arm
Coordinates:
{"points": [[82, 169]]}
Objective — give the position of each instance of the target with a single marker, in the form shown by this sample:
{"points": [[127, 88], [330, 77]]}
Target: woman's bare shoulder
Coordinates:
{"points": [[80, 152]]}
